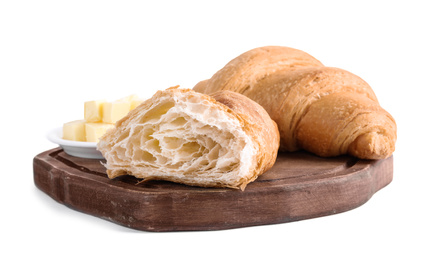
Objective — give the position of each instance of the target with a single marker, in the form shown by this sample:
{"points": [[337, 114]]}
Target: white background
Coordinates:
{"points": [[54, 55]]}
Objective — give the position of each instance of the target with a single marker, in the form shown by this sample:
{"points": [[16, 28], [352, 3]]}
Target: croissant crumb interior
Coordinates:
{"points": [[185, 136]]}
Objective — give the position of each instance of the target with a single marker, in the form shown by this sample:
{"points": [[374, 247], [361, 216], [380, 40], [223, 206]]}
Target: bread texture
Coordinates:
{"points": [[327, 111], [179, 135]]}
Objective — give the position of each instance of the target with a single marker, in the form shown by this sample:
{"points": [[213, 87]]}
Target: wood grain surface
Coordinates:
{"points": [[300, 186]]}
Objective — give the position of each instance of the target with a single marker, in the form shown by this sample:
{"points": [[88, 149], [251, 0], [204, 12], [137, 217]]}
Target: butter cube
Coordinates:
{"points": [[135, 103], [74, 131], [114, 111], [133, 99], [94, 110], [95, 130]]}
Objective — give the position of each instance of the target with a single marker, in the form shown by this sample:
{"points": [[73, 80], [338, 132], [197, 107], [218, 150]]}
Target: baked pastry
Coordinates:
{"points": [[179, 135], [324, 110]]}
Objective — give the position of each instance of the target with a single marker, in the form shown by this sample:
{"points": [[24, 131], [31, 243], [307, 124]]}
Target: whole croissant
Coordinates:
{"points": [[324, 110]]}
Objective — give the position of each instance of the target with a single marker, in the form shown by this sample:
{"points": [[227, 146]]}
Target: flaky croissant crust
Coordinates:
{"points": [[327, 111]]}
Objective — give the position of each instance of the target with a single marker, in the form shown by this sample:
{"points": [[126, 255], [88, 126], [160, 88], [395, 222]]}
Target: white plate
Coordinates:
{"points": [[74, 148]]}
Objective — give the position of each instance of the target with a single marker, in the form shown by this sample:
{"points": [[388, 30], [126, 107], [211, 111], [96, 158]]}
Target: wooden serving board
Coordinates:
{"points": [[299, 186]]}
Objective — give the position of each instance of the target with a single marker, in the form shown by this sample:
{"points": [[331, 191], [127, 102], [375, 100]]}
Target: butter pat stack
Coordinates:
{"points": [[99, 116]]}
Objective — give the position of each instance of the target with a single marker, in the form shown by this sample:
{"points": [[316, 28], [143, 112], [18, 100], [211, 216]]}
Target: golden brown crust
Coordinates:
{"points": [[245, 70], [257, 124], [356, 125], [298, 97]]}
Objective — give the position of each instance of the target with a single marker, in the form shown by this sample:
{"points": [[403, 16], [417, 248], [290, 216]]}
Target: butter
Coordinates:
{"points": [[94, 110], [99, 116], [74, 131], [114, 111], [135, 103], [133, 99], [95, 130]]}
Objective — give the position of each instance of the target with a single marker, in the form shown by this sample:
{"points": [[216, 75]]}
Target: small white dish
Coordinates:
{"points": [[74, 148]]}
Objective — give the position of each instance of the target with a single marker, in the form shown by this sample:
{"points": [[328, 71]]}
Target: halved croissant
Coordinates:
{"points": [[324, 110], [183, 136]]}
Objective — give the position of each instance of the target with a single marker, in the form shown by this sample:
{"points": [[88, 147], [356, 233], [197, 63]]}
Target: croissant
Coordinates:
{"points": [[324, 110], [179, 135]]}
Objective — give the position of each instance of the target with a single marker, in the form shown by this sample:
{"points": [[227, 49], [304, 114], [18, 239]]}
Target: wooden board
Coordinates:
{"points": [[299, 186]]}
